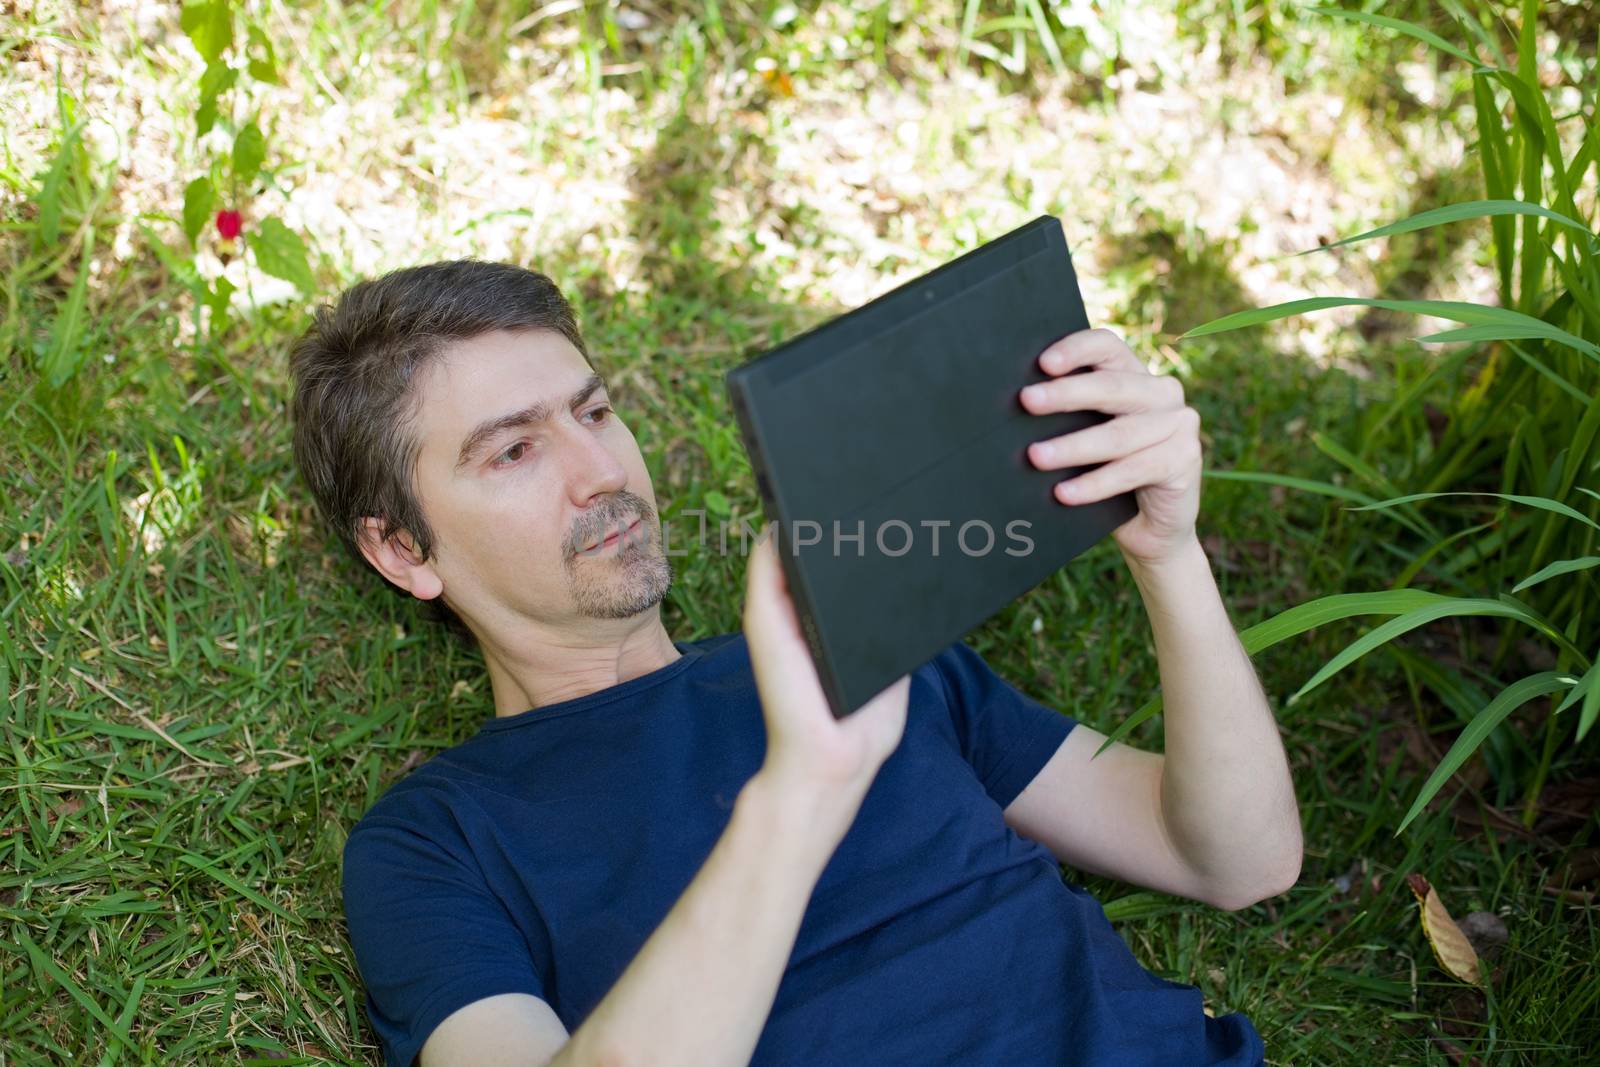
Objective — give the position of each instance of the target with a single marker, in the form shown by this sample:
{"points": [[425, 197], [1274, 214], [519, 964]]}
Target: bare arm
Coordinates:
{"points": [[1214, 819]]}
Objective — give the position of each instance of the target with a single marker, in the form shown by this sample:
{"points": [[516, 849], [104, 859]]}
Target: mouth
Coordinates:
{"points": [[613, 538]]}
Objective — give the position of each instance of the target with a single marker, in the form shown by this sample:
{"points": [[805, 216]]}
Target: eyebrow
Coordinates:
{"points": [[538, 411]]}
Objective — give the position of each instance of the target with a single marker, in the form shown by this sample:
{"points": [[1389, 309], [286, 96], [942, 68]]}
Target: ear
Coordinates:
{"points": [[397, 559]]}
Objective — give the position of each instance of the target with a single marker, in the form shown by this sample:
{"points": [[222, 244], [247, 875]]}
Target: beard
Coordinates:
{"points": [[626, 578]]}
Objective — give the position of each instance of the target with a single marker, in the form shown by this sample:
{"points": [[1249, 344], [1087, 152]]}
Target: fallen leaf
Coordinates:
{"points": [[1450, 945]]}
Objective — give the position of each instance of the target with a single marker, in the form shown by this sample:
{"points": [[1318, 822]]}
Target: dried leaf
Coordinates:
{"points": [[1450, 945]]}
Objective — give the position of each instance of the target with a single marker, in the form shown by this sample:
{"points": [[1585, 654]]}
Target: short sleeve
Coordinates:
{"points": [[430, 937], [1005, 734]]}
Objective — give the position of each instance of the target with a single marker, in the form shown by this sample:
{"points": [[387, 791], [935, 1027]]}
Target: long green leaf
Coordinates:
{"points": [[65, 354], [1340, 454], [48, 195], [1407, 28], [1298, 620], [1543, 368], [1512, 697], [1439, 216], [1455, 310], [1586, 299], [1560, 566], [1309, 485], [1532, 501], [1591, 699], [1509, 333], [1581, 690], [1496, 156], [1505, 607]]}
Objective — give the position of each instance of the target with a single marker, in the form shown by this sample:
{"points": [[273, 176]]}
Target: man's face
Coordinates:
{"points": [[516, 501]]}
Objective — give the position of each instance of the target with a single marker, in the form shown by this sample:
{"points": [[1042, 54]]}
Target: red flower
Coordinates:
{"points": [[229, 223]]}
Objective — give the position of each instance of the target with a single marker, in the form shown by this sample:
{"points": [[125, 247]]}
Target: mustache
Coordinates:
{"points": [[607, 515]]}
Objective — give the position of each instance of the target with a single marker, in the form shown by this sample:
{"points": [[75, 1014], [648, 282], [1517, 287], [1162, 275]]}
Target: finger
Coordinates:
{"points": [[766, 591], [1098, 348], [1114, 392], [1106, 441], [1149, 466]]}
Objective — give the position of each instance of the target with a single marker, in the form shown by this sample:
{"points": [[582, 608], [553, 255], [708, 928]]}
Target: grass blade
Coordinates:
{"points": [[1560, 566], [1407, 28], [1451, 607], [1473, 209], [1455, 310], [1298, 620], [1532, 501], [1511, 698]]}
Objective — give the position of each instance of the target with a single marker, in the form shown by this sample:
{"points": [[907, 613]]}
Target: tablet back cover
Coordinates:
{"points": [[900, 422]]}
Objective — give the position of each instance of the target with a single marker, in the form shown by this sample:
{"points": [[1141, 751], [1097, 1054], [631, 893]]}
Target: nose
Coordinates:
{"points": [[594, 470]]}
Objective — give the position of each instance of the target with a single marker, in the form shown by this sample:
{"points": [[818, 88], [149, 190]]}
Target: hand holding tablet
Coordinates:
{"points": [[891, 452]]}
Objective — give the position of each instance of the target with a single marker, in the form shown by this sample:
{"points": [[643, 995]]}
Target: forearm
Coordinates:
{"points": [[700, 989], [1226, 795]]}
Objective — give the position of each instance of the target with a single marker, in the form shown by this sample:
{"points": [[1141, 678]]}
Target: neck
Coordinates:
{"points": [[545, 666]]}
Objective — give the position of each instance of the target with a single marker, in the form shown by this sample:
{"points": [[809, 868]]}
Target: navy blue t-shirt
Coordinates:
{"points": [[540, 854]]}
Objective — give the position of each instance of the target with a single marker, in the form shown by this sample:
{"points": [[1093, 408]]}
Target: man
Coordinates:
{"points": [[662, 852]]}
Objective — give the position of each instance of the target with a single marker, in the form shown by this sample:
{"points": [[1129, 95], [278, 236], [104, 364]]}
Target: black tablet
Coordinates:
{"points": [[889, 448]]}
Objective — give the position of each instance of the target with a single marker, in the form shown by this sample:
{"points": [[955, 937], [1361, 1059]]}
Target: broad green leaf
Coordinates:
{"points": [[216, 299], [1475, 209], [280, 253], [1511, 698], [264, 63], [209, 24], [217, 79], [198, 199], [249, 149], [1407, 28]]}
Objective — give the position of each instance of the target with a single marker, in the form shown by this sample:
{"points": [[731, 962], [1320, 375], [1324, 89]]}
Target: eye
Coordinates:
{"points": [[508, 452], [603, 411]]}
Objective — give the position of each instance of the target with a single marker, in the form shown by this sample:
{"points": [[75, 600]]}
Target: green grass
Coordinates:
{"points": [[191, 730]]}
